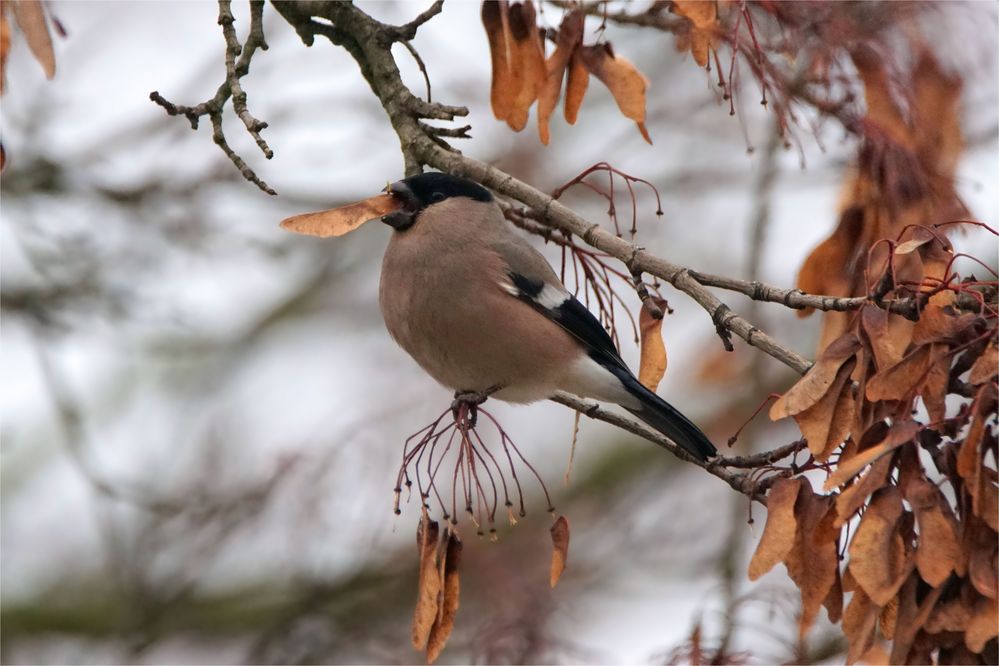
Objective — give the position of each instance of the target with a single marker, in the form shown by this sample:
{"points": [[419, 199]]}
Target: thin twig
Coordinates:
{"points": [[231, 88]]}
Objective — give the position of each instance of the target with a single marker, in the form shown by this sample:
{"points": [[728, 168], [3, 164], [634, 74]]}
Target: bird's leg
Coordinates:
{"points": [[472, 399]]}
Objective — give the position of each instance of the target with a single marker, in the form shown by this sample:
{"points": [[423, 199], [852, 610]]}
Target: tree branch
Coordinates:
{"points": [[369, 42], [745, 483]]}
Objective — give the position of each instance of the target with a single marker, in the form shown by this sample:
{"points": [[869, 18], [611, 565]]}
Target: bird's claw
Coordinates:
{"points": [[471, 400]]}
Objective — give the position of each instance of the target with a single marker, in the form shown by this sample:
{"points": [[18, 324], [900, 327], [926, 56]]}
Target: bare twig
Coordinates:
{"points": [[231, 87]]}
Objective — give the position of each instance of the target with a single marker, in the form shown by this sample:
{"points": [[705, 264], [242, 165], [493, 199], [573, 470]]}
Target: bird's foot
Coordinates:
{"points": [[471, 400]]}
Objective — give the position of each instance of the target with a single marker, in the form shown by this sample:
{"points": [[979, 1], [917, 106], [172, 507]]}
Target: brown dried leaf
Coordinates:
{"points": [[703, 15], [888, 617], [889, 335], [4, 49], [575, 87], [560, 549], [987, 496], [876, 655], [817, 381], [987, 365], [968, 456], [952, 615], [939, 321], [882, 109], [983, 626], [912, 615], [859, 621], [779, 532], [851, 499], [570, 37], [813, 561], [820, 424], [30, 18], [622, 78], [824, 271], [899, 381], [527, 59], [875, 556], [901, 432], [342, 220], [652, 365], [982, 562], [934, 389], [937, 114], [503, 89], [939, 551], [428, 596], [441, 630]]}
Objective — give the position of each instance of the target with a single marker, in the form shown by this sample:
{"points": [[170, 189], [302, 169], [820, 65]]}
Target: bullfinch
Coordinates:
{"points": [[484, 313]]}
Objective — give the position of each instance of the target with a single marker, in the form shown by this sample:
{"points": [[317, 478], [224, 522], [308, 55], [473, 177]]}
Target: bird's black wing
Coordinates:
{"points": [[566, 311]]}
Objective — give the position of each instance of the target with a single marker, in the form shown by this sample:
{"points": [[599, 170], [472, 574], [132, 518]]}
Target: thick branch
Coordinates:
{"points": [[369, 42]]}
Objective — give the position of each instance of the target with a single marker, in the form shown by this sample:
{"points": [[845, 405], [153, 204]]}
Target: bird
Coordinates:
{"points": [[484, 314]]}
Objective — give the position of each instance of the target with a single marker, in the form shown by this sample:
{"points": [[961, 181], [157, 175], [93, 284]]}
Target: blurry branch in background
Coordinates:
{"points": [[231, 87]]}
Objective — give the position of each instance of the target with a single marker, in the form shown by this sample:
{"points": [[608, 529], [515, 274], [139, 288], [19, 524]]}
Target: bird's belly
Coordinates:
{"points": [[467, 346]]}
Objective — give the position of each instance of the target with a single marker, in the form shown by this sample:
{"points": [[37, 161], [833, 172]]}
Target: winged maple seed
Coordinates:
{"points": [[560, 549], [652, 360], [521, 74], [342, 220]]}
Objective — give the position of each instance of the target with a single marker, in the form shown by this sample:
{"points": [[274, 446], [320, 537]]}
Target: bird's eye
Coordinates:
{"points": [[437, 196]]}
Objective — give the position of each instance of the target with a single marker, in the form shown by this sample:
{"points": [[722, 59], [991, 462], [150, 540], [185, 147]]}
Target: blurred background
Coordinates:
{"points": [[203, 416]]}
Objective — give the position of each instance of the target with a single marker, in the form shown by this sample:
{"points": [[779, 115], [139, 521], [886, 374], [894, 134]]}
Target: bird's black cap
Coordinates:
{"points": [[430, 188], [426, 189]]}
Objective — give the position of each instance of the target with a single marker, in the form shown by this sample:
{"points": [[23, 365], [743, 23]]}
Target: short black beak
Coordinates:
{"points": [[403, 219]]}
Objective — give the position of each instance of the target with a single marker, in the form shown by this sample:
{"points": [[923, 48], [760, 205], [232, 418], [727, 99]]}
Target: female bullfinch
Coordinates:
{"points": [[483, 312]]}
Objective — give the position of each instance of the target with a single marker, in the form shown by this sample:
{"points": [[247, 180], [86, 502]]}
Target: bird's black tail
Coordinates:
{"points": [[669, 421]]}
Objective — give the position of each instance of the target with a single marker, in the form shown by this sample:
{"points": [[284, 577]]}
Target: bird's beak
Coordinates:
{"points": [[342, 220], [403, 218]]}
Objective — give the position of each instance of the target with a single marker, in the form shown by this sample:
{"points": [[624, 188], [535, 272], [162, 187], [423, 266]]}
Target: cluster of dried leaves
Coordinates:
{"points": [[29, 15], [522, 74], [922, 559], [439, 589], [904, 176], [439, 585], [900, 413]]}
